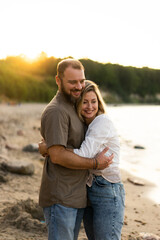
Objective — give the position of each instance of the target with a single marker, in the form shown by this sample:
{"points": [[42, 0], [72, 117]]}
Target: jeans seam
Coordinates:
{"points": [[114, 213], [122, 193], [113, 224], [52, 218]]}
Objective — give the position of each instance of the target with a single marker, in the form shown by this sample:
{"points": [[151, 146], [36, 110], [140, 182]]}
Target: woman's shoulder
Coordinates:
{"points": [[102, 118], [101, 121]]}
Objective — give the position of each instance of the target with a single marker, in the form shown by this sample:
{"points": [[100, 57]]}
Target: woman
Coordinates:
{"points": [[103, 219]]}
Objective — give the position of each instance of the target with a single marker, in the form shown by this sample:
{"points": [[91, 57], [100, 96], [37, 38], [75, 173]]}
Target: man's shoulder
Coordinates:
{"points": [[57, 107], [54, 108]]}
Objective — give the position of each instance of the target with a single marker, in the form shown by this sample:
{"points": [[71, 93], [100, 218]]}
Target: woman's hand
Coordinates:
{"points": [[43, 148]]}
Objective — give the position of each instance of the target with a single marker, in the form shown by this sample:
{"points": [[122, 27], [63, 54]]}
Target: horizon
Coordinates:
{"points": [[32, 60]]}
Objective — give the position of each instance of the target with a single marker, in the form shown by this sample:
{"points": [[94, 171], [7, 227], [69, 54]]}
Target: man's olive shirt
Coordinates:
{"points": [[60, 125]]}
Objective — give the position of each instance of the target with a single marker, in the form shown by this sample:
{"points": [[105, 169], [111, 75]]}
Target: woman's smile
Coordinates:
{"points": [[89, 106]]}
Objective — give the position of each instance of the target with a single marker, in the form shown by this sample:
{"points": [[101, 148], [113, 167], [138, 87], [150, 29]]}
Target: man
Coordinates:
{"points": [[63, 186]]}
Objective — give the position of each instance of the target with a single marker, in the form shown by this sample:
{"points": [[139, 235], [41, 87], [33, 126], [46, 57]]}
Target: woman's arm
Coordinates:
{"points": [[97, 137]]}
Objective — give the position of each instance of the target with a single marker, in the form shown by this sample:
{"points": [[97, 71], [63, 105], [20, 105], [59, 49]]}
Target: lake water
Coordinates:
{"points": [[139, 125]]}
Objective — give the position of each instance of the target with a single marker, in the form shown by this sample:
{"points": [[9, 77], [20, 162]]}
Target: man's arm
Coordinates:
{"points": [[60, 155]]}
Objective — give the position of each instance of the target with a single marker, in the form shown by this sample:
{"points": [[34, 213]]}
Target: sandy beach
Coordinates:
{"points": [[20, 216]]}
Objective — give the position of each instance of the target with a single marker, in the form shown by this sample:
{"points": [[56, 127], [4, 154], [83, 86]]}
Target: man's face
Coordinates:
{"points": [[72, 83]]}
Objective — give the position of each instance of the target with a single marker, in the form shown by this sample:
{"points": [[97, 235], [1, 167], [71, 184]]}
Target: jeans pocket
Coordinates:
{"points": [[101, 182]]}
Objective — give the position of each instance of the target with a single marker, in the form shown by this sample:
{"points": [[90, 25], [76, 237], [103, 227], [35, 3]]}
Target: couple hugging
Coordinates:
{"points": [[81, 178]]}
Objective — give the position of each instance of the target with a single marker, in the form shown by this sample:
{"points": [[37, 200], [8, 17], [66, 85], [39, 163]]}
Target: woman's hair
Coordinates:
{"points": [[91, 86]]}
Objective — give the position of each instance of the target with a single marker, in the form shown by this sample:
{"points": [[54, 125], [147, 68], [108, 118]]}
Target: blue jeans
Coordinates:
{"points": [[63, 222], [103, 220]]}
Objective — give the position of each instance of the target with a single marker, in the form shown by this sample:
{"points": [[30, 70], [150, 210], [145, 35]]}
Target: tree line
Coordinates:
{"points": [[35, 82]]}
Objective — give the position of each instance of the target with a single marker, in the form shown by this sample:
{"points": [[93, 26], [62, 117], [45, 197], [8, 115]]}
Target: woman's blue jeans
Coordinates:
{"points": [[63, 223], [103, 220]]}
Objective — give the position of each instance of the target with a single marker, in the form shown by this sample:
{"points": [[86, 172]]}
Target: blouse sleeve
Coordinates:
{"points": [[96, 137]]}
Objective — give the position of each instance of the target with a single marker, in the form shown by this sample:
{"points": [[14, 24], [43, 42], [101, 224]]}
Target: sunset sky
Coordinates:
{"points": [[117, 31]]}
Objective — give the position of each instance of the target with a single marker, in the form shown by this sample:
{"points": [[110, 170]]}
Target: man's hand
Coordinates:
{"points": [[102, 160]]}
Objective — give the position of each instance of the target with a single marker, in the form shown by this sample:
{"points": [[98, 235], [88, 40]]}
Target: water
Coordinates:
{"points": [[139, 125]]}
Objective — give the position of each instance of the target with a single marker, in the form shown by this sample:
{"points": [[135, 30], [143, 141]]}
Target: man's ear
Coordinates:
{"points": [[58, 81]]}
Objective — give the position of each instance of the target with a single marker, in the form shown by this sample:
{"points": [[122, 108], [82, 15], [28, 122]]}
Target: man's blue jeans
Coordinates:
{"points": [[103, 220], [63, 223]]}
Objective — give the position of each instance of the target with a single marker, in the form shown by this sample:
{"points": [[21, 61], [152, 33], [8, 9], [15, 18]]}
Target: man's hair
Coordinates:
{"points": [[62, 65], [91, 86]]}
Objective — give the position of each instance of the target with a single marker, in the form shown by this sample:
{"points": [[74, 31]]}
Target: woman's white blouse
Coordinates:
{"points": [[101, 133]]}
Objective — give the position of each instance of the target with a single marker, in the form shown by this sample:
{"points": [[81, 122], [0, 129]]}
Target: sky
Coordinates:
{"points": [[124, 32]]}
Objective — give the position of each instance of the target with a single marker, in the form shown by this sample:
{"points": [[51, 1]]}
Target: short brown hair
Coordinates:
{"points": [[91, 86], [62, 65]]}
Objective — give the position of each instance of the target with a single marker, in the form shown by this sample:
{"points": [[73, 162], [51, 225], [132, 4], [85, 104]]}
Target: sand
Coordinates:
{"points": [[20, 216]]}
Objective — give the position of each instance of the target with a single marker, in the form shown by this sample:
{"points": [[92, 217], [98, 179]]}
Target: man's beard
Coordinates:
{"points": [[69, 97]]}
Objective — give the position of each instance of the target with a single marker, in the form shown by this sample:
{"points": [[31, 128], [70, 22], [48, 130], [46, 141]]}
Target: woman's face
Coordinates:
{"points": [[89, 106]]}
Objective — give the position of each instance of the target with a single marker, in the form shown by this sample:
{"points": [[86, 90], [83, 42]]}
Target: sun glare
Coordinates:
{"points": [[29, 58]]}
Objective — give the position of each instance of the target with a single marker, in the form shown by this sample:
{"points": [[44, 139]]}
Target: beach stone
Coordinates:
{"points": [[31, 148], [135, 181], [19, 167], [149, 236], [3, 177], [139, 147]]}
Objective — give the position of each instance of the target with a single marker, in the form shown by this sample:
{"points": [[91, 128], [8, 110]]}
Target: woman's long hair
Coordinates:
{"points": [[91, 86]]}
